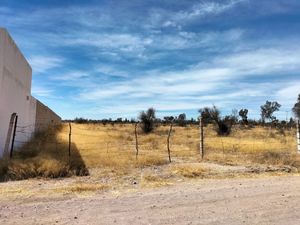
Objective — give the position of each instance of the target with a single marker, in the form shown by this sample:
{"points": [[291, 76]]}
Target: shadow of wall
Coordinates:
{"points": [[46, 155]]}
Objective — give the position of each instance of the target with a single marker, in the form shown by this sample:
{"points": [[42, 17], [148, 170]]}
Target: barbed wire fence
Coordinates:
{"points": [[133, 142], [87, 140], [172, 142], [248, 141]]}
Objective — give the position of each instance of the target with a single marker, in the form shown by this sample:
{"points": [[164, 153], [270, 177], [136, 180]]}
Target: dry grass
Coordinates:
{"points": [[190, 171], [150, 160], [83, 187], [256, 145], [112, 148], [45, 156], [154, 180]]}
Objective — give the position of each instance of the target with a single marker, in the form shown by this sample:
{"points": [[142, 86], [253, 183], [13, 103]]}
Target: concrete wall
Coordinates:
{"points": [[45, 117], [15, 87], [15, 95]]}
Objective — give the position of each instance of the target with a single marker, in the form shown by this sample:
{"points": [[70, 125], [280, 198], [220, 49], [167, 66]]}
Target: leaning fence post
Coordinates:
{"points": [[70, 135], [168, 141], [136, 141], [201, 137], [298, 135], [13, 138], [9, 135]]}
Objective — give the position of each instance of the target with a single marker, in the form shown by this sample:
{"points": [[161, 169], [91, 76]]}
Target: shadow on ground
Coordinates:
{"points": [[45, 156]]}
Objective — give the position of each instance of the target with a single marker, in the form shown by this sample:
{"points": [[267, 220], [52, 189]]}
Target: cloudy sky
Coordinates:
{"points": [[114, 58]]}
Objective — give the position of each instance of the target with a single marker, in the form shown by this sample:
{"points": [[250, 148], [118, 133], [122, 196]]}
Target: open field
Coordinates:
{"points": [[108, 154], [123, 189]]}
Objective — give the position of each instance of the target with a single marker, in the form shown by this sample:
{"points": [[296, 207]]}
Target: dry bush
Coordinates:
{"points": [[278, 158], [36, 167], [43, 157], [83, 187], [150, 160], [149, 180], [190, 171]]}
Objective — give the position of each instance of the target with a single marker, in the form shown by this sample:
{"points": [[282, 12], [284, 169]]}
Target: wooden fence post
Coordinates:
{"points": [[13, 138], [70, 135], [201, 137], [168, 142], [298, 136], [136, 141]]}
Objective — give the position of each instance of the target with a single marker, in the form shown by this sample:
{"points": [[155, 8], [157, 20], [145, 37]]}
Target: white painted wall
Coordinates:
{"points": [[15, 90]]}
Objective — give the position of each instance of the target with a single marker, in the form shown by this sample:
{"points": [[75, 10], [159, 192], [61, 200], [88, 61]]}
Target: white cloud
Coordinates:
{"points": [[137, 45], [220, 82], [202, 9], [169, 23], [169, 84], [71, 76], [262, 61], [113, 41], [99, 33], [41, 91], [163, 18], [288, 93], [172, 104], [207, 8], [111, 71], [41, 64]]}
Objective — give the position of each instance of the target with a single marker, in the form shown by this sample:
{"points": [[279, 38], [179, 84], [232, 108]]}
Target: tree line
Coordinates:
{"points": [[210, 115]]}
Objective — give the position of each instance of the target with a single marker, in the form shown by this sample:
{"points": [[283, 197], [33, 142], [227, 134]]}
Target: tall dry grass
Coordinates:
{"points": [[44, 156], [261, 145], [112, 148]]}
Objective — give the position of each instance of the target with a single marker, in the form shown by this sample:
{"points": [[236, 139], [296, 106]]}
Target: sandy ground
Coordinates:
{"points": [[269, 200]]}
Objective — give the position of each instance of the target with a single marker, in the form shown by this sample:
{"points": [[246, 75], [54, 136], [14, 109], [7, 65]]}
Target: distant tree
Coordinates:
{"points": [[291, 122], [181, 120], [296, 108], [268, 109], [158, 120], [192, 121], [243, 113], [168, 119], [111, 122], [81, 120], [119, 120], [104, 121], [210, 115], [147, 120], [213, 115]]}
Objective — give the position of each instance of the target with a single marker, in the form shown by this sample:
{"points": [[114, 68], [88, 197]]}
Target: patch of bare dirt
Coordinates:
{"points": [[265, 200]]}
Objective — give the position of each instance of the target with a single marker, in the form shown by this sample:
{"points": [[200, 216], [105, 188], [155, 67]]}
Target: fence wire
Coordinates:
{"points": [[119, 141]]}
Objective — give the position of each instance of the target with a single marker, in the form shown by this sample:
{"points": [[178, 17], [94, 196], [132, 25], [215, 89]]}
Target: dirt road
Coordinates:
{"points": [[274, 200]]}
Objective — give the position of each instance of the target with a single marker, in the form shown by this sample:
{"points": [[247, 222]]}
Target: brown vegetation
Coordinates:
{"points": [[108, 152], [45, 156]]}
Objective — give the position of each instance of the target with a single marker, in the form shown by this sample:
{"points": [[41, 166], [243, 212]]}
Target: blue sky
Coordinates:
{"points": [[101, 59]]}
